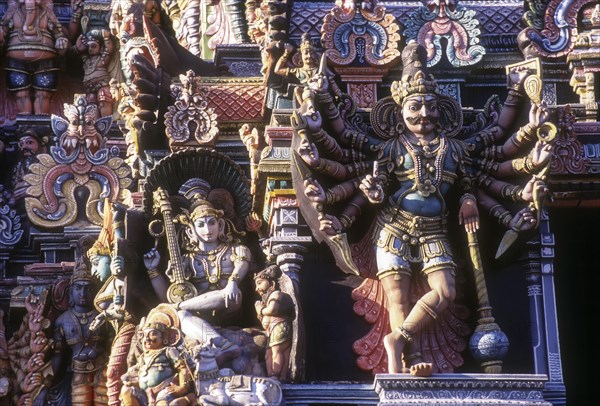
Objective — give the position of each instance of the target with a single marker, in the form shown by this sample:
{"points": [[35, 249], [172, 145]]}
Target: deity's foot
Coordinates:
{"points": [[394, 344], [423, 369]]}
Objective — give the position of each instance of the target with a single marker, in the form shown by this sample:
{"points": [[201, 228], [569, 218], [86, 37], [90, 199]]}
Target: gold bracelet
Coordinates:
{"points": [[234, 278], [152, 273], [467, 196]]}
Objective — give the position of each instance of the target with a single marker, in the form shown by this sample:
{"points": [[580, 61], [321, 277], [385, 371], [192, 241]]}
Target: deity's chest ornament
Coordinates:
{"points": [[428, 158], [84, 318], [212, 263]]}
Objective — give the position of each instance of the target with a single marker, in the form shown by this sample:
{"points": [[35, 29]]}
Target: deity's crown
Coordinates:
{"points": [[416, 79], [203, 208], [80, 109], [99, 248], [81, 273], [306, 42], [152, 325]]}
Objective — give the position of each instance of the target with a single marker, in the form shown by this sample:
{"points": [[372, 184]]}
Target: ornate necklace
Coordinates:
{"points": [[211, 260], [149, 358], [428, 163], [83, 318]]}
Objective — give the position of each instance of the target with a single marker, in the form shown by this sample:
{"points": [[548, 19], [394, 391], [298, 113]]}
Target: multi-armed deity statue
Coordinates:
{"points": [[408, 168]]}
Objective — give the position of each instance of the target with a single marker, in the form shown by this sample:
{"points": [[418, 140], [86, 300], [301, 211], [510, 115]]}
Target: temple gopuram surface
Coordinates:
{"points": [[223, 202]]}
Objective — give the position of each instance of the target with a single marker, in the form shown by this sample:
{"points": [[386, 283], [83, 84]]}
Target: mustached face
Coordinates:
{"points": [[421, 114], [153, 339], [29, 145], [261, 286]]}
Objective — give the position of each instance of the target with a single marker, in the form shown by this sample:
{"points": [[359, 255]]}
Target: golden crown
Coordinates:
{"points": [[420, 83], [415, 76], [306, 42], [81, 272], [203, 208]]}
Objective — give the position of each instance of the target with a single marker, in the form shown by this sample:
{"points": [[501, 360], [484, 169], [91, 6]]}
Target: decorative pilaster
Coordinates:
{"points": [[288, 235], [538, 264]]}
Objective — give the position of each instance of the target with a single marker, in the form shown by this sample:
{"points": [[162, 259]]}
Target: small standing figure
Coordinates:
{"points": [[34, 37], [276, 312], [251, 140], [74, 340], [299, 75], [310, 61], [97, 50], [161, 376]]}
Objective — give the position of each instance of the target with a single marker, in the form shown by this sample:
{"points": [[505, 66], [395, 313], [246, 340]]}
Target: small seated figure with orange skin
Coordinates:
{"points": [[161, 376], [276, 312]]}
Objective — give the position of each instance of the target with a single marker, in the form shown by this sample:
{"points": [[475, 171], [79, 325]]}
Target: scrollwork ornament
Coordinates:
{"points": [[344, 32], [79, 160], [190, 113]]}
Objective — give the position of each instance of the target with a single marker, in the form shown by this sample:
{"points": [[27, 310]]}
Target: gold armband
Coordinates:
{"points": [[324, 98], [525, 134], [152, 273], [467, 196], [523, 165], [514, 96], [512, 192], [240, 253]]}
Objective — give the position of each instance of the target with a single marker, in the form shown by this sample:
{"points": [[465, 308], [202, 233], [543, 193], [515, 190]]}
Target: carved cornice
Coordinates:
{"points": [[569, 155], [500, 20]]}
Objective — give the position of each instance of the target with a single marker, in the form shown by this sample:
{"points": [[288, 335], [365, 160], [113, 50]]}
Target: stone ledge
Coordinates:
{"points": [[329, 393], [461, 389]]}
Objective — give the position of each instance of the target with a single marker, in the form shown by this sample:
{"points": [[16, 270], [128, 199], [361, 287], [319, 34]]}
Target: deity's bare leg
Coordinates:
{"points": [[442, 293], [23, 101], [278, 360], [213, 300], [397, 291], [42, 101]]}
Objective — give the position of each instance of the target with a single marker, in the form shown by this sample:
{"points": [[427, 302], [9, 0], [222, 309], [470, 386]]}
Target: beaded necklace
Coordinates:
{"points": [[211, 260], [428, 163]]}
